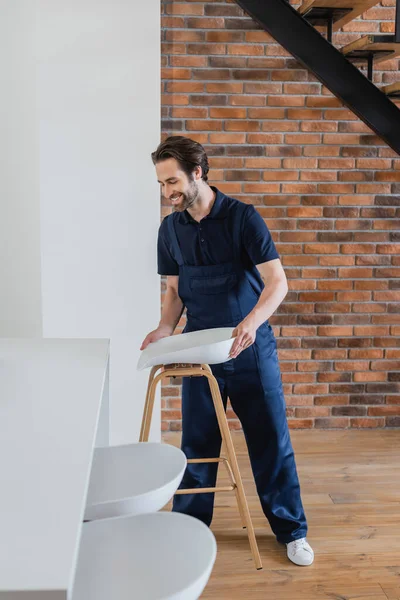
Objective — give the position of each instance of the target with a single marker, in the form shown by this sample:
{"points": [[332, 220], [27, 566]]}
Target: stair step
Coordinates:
{"points": [[318, 12], [381, 47], [393, 89]]}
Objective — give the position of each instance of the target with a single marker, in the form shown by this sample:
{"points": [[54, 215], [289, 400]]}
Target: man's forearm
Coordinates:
{"points": [[272, 296], [171, 311]]}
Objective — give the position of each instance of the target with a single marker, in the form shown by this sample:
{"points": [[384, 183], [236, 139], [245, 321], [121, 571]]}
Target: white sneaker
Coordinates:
{"points": [[300, 552]]}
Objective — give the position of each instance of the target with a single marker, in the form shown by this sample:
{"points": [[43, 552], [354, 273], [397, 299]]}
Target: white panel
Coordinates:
{"points": [[99, 114], [20, 297], [50, 402]]}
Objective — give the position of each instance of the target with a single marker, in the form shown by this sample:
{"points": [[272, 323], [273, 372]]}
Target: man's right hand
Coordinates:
{"points": [[162, 331]]}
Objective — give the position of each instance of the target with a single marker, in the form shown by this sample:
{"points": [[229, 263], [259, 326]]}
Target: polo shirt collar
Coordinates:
{"points": [[219, 209]]}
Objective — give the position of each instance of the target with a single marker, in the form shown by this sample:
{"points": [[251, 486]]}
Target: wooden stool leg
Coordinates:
{"points": [[232, 478], [148, 406], [226, 436]]}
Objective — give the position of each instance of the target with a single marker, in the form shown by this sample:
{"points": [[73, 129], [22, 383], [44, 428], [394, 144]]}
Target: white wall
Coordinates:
{"points": [[97, 120], [20, 293]]}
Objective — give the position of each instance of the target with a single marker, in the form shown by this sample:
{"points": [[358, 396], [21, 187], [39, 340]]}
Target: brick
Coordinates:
{"points": [[280, 176], [352, 365], [335, 331], [334, 377], [302, 138], [305, 236], [331, 400], [223, 36], [227, 113], [227, 138], [264, 138], [224, 87], [303, 114], [307, 319], [263, 163], [335, 285], [225, 10], [371, 330], [318, 176], [351, 319], [354, 273], [246, 100], [299, 188], [346, 388], [331, 423], [316, 296], [208, 100], [184, 36], [286, 100], [175, 73], [390, 296], [298, 331], [357, 248], [240, 125], [388, 249], [244, 150], [369, 376], [298, 377], [210, 74], [242, 175], [321, 248], [226, 62], [203, 125], [283, 151], [184, 86], [184, 8], [167, 22], [364, 423], [323, 102], [349, 411], [367, 399], [314, 411], [246, 49], [335, 261], [321, 151], [300, 423], [383, 411], [334, 307]]}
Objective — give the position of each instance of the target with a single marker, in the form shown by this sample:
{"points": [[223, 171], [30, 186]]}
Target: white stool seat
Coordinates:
{"points": [[133, 479], [159, 556], [209, 346]]}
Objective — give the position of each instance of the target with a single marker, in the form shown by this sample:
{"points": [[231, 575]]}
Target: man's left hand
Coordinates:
{"points": [[245, 334]]}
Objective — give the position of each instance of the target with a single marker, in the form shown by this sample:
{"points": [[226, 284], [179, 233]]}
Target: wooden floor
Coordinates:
{"points": [[350, 482]]}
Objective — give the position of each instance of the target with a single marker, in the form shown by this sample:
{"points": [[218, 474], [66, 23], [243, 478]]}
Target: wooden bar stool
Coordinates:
{"points": [[203, 370]]}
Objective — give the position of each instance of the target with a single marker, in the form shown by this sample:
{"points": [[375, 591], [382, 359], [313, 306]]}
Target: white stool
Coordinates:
{"points": [[133, 479], [159, 556], [179, 356]]}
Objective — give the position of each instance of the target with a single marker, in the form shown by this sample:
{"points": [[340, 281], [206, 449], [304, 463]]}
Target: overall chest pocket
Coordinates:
{"points": [[215, 284]]}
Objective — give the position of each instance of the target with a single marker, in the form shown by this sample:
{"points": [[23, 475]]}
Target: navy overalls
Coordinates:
{"points": [[222, 295]]}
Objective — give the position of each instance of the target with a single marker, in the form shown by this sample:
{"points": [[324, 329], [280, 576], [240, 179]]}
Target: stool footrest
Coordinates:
{"points": [[227, 488]]}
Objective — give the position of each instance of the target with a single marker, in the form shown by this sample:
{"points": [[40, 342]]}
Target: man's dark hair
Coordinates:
{"points": [[187, 152]]}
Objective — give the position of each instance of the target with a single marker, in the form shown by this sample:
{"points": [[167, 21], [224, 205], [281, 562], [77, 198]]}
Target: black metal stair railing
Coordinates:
{"points": [[329, 65]]}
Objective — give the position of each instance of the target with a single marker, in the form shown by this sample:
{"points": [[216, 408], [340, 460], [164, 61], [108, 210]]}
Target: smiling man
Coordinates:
{"points": [[216, 251]]}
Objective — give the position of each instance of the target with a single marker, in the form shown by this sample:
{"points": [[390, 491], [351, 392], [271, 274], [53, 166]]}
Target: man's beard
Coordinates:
{"points": [[188, 199]]}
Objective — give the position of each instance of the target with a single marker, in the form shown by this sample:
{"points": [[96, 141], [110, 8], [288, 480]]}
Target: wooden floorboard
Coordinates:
{"points": [[350, 482]]}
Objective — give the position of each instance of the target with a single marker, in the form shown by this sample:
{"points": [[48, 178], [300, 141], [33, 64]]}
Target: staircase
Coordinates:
{"points": [[338, 69]]}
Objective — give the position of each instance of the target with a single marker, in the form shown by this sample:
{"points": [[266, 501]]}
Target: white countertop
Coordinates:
{"points": [[51, 394]]}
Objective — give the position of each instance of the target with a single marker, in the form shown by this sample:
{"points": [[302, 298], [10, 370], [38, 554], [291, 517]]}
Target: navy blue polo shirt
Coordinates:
{"points": [[209, 242]]}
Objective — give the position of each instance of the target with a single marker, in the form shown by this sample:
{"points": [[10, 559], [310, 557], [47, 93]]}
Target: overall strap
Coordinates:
{"points": [[175, 249], [237, 228]]}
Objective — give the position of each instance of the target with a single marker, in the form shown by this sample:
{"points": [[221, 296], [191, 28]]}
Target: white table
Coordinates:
{"points": [[53, 412]]}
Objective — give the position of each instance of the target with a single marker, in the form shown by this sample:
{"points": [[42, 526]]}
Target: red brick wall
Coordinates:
{"points": [[329, 190]]}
